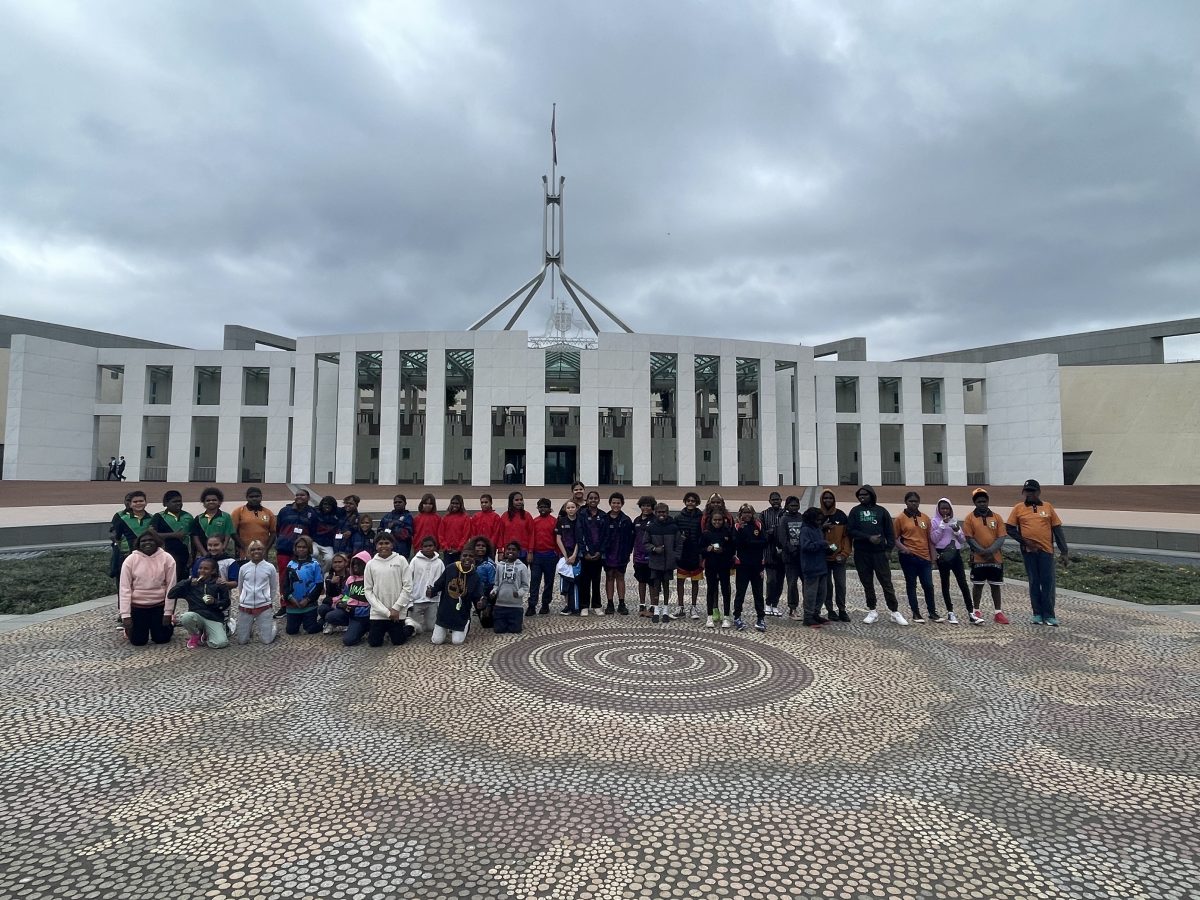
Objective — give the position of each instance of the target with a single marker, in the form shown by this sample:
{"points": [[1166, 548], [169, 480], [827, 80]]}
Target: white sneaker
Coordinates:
{"points": [[899, 619], [709, 623], [871, 617], [725, 623], [976, 618], [951, 618], [598, 611], [696, 613], [328, 629], [583, 612]]}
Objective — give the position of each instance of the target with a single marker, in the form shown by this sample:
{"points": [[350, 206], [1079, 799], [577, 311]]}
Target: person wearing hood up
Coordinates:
{"points": [[426, 567], [985, 533], [813, 552], [916, 555], [787, 536], [948, 540], [870, 528], [839, 552], [350, 609]]}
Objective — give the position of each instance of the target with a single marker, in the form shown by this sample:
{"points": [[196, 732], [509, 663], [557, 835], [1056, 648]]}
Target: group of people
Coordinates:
{"points": [[337, 570]]}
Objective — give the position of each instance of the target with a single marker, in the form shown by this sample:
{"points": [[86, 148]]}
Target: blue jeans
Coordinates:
{"points": [[308, 619], [917, 569], [1039, 568], [541, 573], [356, 626]]}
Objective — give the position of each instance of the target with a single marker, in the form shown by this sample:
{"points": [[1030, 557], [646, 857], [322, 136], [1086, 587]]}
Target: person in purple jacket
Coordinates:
{"points": [[616, 544]]}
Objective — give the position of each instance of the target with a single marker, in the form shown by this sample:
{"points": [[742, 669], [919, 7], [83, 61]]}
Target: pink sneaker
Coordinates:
{"points": [[193, 642], [1001, 618]]}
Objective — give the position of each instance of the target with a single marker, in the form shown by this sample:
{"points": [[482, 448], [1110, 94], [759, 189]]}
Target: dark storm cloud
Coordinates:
{"points": [[929, 178]]}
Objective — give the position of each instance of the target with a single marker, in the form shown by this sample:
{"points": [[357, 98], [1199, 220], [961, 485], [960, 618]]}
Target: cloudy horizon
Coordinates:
{"points": [[930, 178]]}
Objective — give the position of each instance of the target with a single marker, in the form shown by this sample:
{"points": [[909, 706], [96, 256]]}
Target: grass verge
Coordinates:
{"points": [[1135, 580], [54, 579]]}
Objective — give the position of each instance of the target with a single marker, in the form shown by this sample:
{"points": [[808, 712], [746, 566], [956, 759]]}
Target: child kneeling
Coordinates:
{"points": [[510, 592], [458, 590], [208, 602], [387, 583], [351, 610]]}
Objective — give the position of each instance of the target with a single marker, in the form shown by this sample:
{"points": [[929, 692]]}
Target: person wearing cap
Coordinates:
{"points": [[985, 534], [1033, 523]]}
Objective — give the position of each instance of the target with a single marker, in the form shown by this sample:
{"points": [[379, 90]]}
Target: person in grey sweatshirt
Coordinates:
{"points": [[511, 591]]}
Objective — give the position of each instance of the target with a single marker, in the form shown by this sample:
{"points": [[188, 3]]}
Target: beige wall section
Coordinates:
{"points": [[1140, 422]]}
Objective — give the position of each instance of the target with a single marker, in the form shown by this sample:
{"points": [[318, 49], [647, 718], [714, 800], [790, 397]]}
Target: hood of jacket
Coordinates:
{"points": [[870, 492], [945, 500], [364, 556]]}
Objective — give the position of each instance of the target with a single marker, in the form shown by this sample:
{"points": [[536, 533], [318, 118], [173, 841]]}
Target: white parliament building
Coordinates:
{"points": [[436, 408], [456, 407]]}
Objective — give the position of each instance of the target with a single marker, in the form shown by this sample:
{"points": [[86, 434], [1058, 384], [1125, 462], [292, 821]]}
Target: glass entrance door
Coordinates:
{"points": [[560, 465]]}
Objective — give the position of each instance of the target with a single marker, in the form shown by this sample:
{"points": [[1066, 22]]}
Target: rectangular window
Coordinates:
{"points": [[974, 396], [208, 385], [158, 384], [562, 370], [256, 385], [889, 395], [931, 396], [110, 384], [845, 394]]}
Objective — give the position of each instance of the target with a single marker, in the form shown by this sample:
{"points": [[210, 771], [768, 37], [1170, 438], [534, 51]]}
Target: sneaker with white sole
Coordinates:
{"points": [[597, 611], [583, 612], [976, 618], [739, 624], [899, 619], [710, 623], [695, 612], [328, 629], [761, 625], [725, 623], [951, 618], [871, 617]]}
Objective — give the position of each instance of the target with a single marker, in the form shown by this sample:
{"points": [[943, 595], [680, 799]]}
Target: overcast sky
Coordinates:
{"points": [[929, 175]]}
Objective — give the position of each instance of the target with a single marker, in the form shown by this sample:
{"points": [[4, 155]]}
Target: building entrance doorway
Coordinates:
{"points": [[515, 458], [560, 465], [605, 476]]}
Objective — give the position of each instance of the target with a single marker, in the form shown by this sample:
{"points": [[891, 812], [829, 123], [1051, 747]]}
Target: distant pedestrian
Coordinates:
{"points": [[1033, 524], [121, 469], [112, 469], [510, 473]]}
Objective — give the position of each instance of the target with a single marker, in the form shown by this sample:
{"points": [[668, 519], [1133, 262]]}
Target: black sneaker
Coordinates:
{"points": [[917, 619], [545, 609], [819, 620], [532, 611], [843, 616], [654, 618], [934, 617], [280, 613], [622, 609], [565, 612]]}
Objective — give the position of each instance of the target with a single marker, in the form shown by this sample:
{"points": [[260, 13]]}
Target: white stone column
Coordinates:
{"points": [[304, 415], [956, 434], [229, 425], [768, 449], [868, 433], [535, 443], [435, 411], [389, 417], [914, 432], [589, 417], [806, 421], [278, 411], [685, 415], [133, 408], [347, 415], [727, 403], [826, 421]]}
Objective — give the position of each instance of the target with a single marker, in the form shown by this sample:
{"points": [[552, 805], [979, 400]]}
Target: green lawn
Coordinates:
{"points": [[1139, 581], [57, 578]]}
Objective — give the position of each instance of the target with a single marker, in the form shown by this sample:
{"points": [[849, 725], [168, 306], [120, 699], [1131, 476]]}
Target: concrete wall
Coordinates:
{"points": [[51, 396], [1140, 422]]}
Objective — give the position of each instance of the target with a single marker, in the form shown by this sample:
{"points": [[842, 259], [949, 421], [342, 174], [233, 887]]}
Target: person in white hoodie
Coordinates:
{"points": [[258, 592], [426, 568], [388, 586]]}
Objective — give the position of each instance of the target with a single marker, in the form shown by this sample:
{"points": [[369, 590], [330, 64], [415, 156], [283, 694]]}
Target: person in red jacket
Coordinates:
{"points": [[543, 558], [516, 525], [427, 522], [454, 531], [487, 522]]}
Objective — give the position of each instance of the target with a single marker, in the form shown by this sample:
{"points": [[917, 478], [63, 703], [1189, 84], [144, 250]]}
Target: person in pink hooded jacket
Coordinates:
{"points": [[146, 576]]}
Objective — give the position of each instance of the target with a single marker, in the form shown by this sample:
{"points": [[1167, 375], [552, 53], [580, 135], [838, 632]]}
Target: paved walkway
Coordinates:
{"points": [[608, 757]]}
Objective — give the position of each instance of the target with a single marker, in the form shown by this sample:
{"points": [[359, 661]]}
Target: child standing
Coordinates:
{"points": [[567, 535], [427, 567], [543, 558], [691, 566], [399, 524], [717, 541], [208, 602], [750, 547], [948, 541], [915, 551], [387, 584], [616, 545], [641, 556], [663, 541], [591, 535], [487, 522], [814, 564], [454, 531], [512, 587], [427, 522]]}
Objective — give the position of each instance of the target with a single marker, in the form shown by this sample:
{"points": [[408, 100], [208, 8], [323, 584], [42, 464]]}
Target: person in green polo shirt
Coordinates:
{"points": [[174, 523], [129, 524], [212, 522]]}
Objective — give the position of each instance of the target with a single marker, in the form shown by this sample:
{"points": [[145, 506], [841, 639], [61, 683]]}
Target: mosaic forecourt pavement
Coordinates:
{"points": [[610, 758]]}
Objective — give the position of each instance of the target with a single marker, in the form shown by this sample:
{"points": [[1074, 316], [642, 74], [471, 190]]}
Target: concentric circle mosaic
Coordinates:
{"points": [[640, 671], [610, 758]]}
